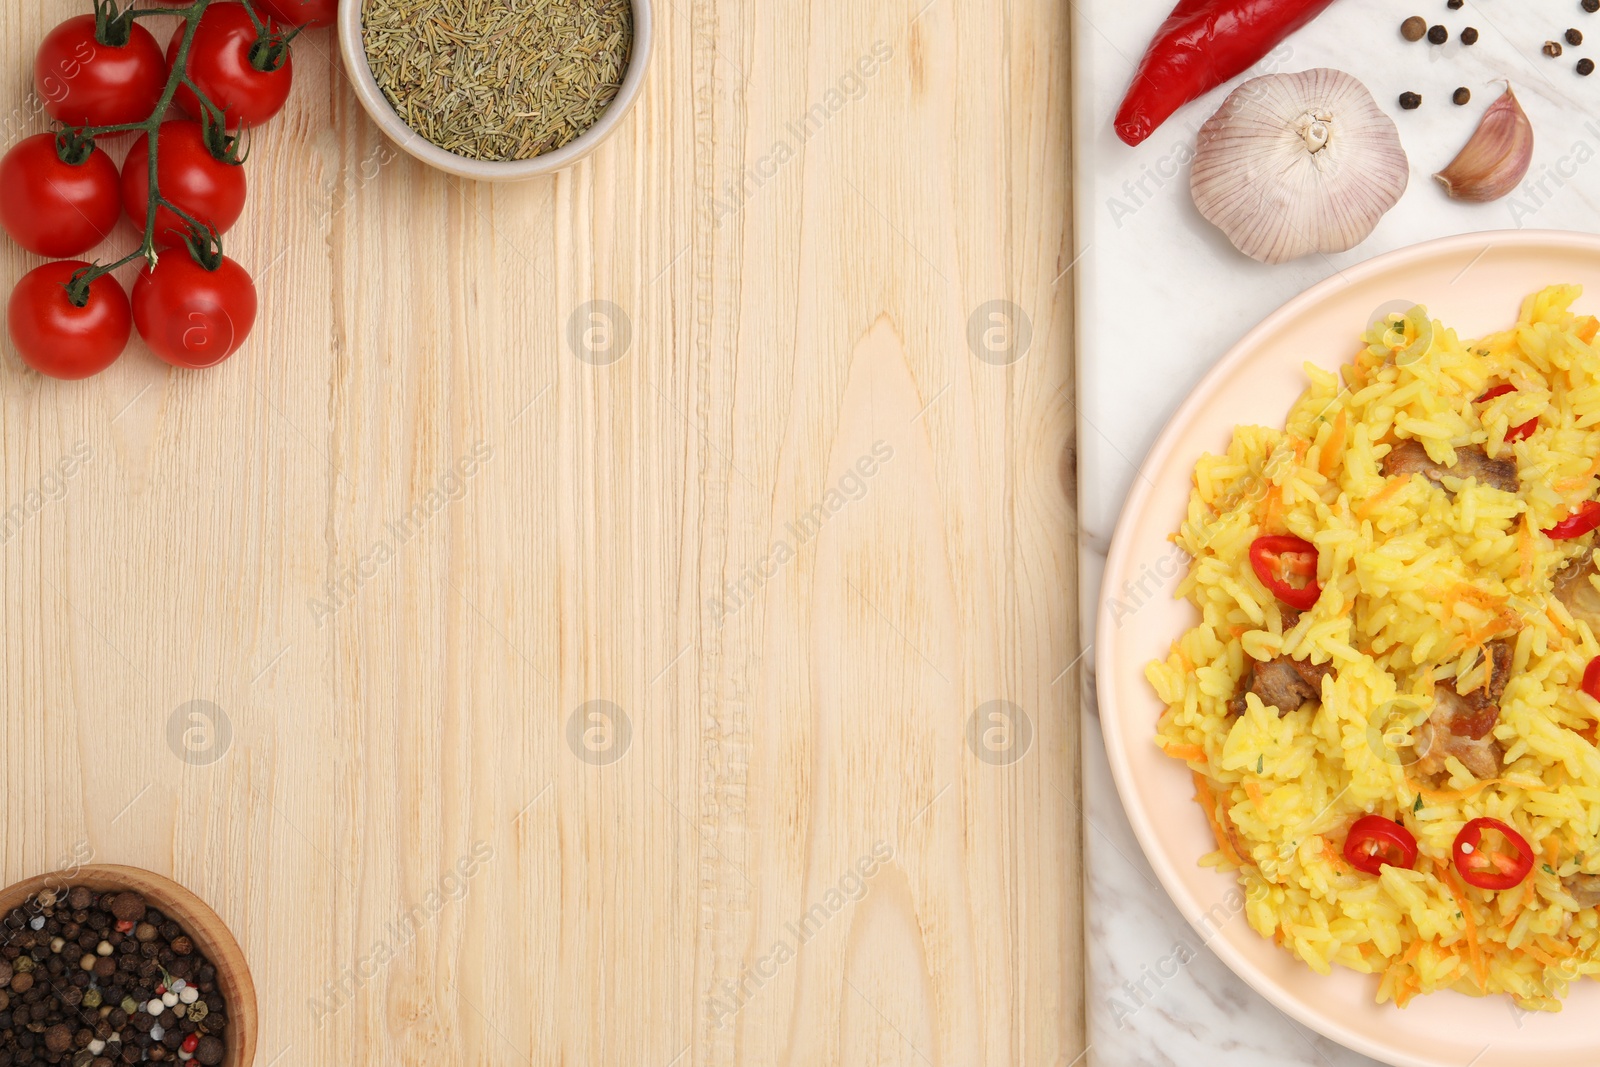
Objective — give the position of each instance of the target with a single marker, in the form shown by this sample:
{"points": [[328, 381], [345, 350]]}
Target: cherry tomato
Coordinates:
{"points": [[1499, 865], [191, 316], [299, 12], [1374, 842], [1580, 522], [83, 82], [54, 208], [210, 189], [1277, 557], [223, 62], [60, 340]]}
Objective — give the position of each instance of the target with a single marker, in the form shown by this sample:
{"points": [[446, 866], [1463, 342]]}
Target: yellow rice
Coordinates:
{"points": [[1413, 578]]}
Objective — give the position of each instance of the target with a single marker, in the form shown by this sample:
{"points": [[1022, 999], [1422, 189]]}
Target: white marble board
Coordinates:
{"points": [[1161, 296]]}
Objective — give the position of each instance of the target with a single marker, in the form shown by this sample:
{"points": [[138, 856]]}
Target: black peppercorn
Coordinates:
{"points": [[1438, 35], [1410, 101], [1455, 5], [1574, 37], [1470, 34], [1591, 6], [1586, 67], [1552, 48]]}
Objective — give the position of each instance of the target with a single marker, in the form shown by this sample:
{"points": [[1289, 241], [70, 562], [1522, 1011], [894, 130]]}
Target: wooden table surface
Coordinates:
{"points": [[623, 619]]}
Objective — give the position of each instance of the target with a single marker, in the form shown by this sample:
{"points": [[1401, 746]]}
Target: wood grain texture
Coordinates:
{"points": [[396, 545]]}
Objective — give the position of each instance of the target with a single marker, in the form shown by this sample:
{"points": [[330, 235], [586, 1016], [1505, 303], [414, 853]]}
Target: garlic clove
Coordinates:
{"points": [[1298, 163], [1496, 158]]}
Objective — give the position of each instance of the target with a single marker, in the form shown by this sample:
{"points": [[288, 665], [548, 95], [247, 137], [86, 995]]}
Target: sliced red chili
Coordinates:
{"points": [[1515, 433], [1591, 678], [1374, 842], [1278, 557], [1499, 865], [1580, 522]]}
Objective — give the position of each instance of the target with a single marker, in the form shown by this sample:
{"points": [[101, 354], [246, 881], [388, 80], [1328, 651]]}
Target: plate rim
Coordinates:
{"points": [[1134, 505]]}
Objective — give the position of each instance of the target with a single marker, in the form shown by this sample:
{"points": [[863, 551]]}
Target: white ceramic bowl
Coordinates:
{"points": [[353, 48], [1474, 282]]}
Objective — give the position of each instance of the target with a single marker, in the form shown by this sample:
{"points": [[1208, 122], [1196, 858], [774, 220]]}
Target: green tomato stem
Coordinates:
{"points": [[108, 19]]}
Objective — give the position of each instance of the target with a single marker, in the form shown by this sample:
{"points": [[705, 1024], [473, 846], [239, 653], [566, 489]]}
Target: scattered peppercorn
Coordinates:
{"points": [[1552, 48], [1455, 5], [1591, 6], [1470, 34], [1416, 27], [1410, 101], [1438, 35], [1462, 96], [1574, 37], [1586, 67]]}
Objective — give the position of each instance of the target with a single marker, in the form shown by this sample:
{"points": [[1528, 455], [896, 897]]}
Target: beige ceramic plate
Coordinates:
{"points": [[1475, 283]]}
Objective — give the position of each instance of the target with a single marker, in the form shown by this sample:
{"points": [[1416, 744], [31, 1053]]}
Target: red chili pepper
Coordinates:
{"points": [[1580, 522], [1516, 433], [1492, 868], [1374, 842], [1199, 47], [1591, 678], [1276, 557]]}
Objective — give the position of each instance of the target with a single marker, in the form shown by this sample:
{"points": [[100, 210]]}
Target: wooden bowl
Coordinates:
{"points": [[209, 933]]}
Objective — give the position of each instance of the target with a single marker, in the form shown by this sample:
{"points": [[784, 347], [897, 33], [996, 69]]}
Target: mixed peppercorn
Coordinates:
{"points": [[96, 979]]}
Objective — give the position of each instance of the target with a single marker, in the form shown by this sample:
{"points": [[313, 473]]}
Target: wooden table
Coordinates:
{"points": [[570, 630]]}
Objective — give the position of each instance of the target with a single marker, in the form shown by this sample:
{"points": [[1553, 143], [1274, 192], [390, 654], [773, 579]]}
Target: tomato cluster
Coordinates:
{"points": [[103, 77]]}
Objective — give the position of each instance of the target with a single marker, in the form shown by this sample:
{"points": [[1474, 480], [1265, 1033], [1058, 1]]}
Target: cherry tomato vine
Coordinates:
{"points": [[228, 66]]}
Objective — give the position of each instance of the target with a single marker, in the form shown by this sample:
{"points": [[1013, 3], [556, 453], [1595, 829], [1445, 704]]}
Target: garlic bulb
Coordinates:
{"points": [[1298, 163], [1496, 159]]}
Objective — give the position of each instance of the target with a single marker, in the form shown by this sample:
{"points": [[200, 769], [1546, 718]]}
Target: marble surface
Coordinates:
{"points": [[1161, 296]]}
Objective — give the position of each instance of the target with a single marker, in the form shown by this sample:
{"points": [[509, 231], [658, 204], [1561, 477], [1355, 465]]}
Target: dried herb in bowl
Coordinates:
{"points": [[499, 79]]}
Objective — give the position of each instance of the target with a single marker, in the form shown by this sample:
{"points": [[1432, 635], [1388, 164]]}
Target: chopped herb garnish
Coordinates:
{"points": [[1548, 869], [1261, 761], [1418, 805]]}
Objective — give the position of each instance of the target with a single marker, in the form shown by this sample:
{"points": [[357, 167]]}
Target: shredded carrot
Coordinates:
{"points": [[1382, 497], [1208, 802], [1481, 597], [1411, 953], [1544, 958], [1517, 906], [1267, 513], [1333, 445], [1550, 613], [1588, 326], [1479, 970], [1253, 791], [1591, 733], [1186, 752], [1576, 482]]}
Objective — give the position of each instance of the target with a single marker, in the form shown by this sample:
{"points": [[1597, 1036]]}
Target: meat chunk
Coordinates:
{"points": [[1459, 726], [1500, 653], [1574, 589], [1282, 682], [1584, 888], [1409, 457]]}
